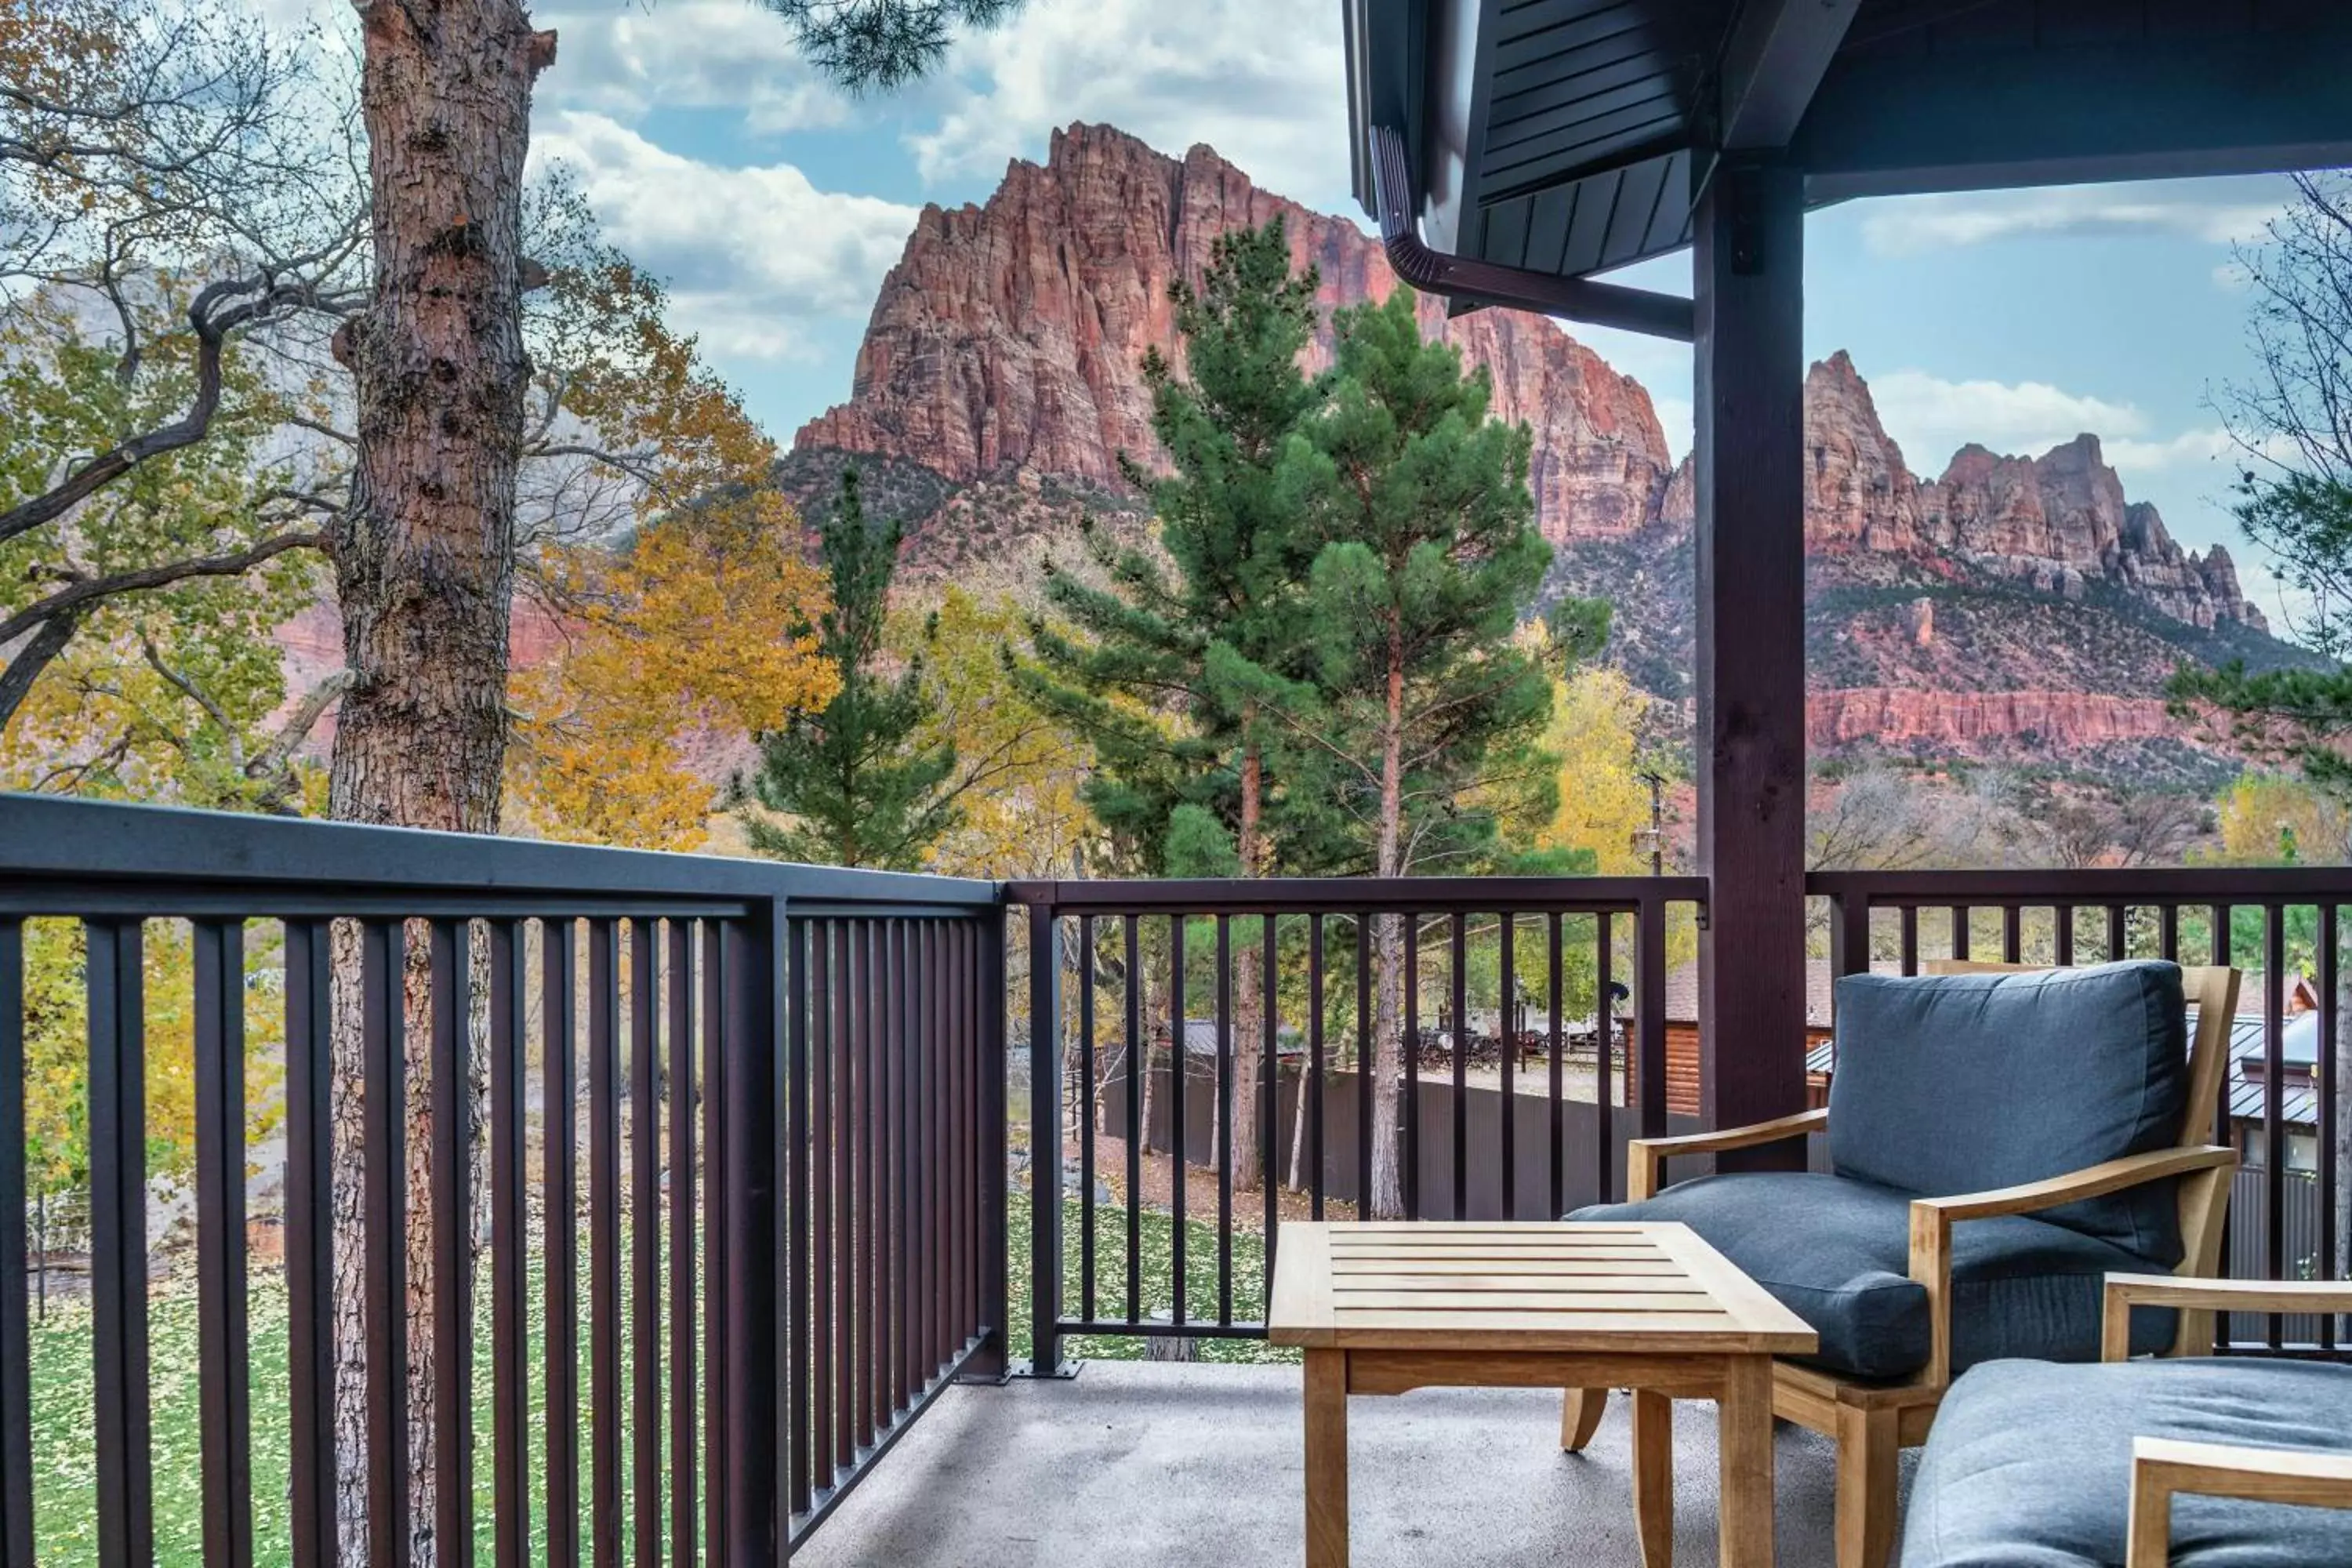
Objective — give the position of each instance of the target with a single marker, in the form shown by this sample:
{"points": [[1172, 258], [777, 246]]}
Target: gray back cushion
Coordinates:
{"points": [[1956, 1083]]}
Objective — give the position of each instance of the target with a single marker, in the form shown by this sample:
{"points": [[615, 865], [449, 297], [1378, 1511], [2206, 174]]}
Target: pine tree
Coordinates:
{"points": [[1424, 716], [1166, 673], [853, 783], [1161, 674]]}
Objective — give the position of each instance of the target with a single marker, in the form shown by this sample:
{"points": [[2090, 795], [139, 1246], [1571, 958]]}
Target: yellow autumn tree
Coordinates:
{"points": [[2272, 819], [1596, 715], [698, 631], [696, 635], [1018, 774]]}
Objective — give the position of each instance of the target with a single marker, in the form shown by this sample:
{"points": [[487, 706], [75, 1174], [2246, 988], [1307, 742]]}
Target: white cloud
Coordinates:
{"points": [[752, 255], [2187, 452], [2213, 211], [623, 60], [1260, 80], [1931, 418]]}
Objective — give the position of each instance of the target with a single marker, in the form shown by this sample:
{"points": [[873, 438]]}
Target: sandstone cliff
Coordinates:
{"points": [[1010, 336], [2008, 607]]}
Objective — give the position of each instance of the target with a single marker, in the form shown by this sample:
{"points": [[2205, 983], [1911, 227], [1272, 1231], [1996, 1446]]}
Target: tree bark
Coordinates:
{"points": [[423, 562], [1388, 1023]]}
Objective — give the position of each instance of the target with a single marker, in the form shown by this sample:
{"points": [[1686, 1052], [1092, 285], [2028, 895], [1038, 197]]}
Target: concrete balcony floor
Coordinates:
{"points": [[1139, 1465]]}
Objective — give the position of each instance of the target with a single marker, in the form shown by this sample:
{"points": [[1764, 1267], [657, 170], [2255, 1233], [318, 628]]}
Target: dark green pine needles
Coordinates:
{"points": [[853, 784]]}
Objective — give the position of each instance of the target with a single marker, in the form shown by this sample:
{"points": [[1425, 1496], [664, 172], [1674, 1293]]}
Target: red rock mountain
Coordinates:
{"points": [[2056, 523], [2010, 603], [1009, 337]]}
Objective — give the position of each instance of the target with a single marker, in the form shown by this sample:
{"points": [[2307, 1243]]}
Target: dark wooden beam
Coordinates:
{"points": [[1778, 53], [1748, 266], [2252, 102]]}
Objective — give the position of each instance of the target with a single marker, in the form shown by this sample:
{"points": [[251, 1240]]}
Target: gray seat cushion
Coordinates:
{"points": [[1956, 1083], [1838, 1254], [2029, 1465]]}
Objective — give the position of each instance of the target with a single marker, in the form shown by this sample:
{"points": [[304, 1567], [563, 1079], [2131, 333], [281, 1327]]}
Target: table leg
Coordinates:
{"points": [[1326, 1458], [1745, 1437], [1653, 1476], [1579, 1416]]}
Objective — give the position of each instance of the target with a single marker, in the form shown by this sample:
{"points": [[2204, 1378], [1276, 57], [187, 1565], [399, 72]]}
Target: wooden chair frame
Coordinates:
{"points": [[1872, 1421], [2164, 1468]]}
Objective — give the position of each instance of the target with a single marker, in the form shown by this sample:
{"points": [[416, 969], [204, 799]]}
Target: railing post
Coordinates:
{"points": [[991, 1363], [1045, 1144], [1849, 931], [1650, 1017], [755, 969]]}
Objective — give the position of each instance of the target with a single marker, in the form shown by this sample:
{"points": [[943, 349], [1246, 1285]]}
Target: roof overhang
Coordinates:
{"points": [[1537, 143]]}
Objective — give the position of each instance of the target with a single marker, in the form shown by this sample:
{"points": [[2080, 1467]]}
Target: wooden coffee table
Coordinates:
{"points": [[1383, 1308]]}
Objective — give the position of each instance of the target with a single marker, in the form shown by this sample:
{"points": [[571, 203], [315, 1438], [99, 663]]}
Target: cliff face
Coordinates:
{"points": [[1010, 336], [999, 384], [2056, 523]]}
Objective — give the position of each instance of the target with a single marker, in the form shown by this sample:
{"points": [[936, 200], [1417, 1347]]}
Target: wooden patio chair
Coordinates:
{"points": [[2030, 1462], [2059, 1126]]}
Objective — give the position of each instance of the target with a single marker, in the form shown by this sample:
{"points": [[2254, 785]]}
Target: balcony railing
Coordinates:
{"points": [[1121, 972], [753, 1156]]}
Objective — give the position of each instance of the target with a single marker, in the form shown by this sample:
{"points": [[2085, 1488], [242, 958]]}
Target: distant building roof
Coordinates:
{"points": [[1681, 993]]}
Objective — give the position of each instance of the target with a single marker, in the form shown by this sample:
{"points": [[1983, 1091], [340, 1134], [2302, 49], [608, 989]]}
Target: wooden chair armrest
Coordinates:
{"points": [[2126, 1291], [2091, 1182], [1646, 1156], [2163, 1468], [1932, 1220]]}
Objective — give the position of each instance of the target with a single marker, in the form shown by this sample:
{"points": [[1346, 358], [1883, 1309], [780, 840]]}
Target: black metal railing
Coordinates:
{"points": [[747, 1178], [793, 1203], [2278, 924], [1118, 971]]}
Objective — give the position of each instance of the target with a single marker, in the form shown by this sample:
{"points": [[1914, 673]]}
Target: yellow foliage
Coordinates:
{"points": [[699, 630], [2271, 819], [1020, 774], [1595, 716], [56, 1050]]}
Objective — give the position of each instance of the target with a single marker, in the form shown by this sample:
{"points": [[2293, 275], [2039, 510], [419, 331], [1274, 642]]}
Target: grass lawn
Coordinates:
{"points": [[65, 1476]]}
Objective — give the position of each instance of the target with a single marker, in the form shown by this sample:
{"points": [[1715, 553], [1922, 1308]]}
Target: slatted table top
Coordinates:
{"points": [[1575, 1286]]}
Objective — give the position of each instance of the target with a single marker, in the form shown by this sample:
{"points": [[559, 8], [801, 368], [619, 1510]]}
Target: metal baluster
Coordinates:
{"points": [[385, 1237], [509, 1326], [225, 1413], [560, 1199], [682, 1293], [16, 1331], [603, 1243], [449, 957], [1225, 1118], [1086, 1117], [310, 1244]]}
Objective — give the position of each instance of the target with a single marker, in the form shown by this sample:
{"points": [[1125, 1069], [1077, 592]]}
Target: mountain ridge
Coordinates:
{"points": [[1967, 611]]}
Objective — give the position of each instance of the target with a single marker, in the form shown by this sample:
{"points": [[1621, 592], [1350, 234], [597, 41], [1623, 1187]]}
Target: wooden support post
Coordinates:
{"points": [[1751, 549]]}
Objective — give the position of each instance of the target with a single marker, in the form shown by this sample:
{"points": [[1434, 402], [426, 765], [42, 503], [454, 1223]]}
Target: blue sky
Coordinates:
{"points": [[773, 207]]}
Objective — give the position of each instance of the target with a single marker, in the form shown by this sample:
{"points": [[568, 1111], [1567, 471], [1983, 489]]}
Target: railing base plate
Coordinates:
{"points": [[1062, 1371]]}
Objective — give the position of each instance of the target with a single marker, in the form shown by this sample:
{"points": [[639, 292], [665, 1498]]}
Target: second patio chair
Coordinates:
{"points": [[2000, 1139], [2240, 1461]]}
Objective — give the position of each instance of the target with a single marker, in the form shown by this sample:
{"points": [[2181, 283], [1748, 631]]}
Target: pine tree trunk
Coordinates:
{"points": [[423, 562], [1387, 1041]]}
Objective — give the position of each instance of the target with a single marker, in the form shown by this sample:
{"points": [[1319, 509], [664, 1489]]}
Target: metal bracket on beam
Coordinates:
{"points": [[1514, 288]]}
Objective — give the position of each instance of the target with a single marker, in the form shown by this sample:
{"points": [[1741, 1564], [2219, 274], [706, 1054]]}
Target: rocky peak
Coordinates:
{"points": [[1007, 343], [1010, 336], [1862, 495], [2056, 523]]}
